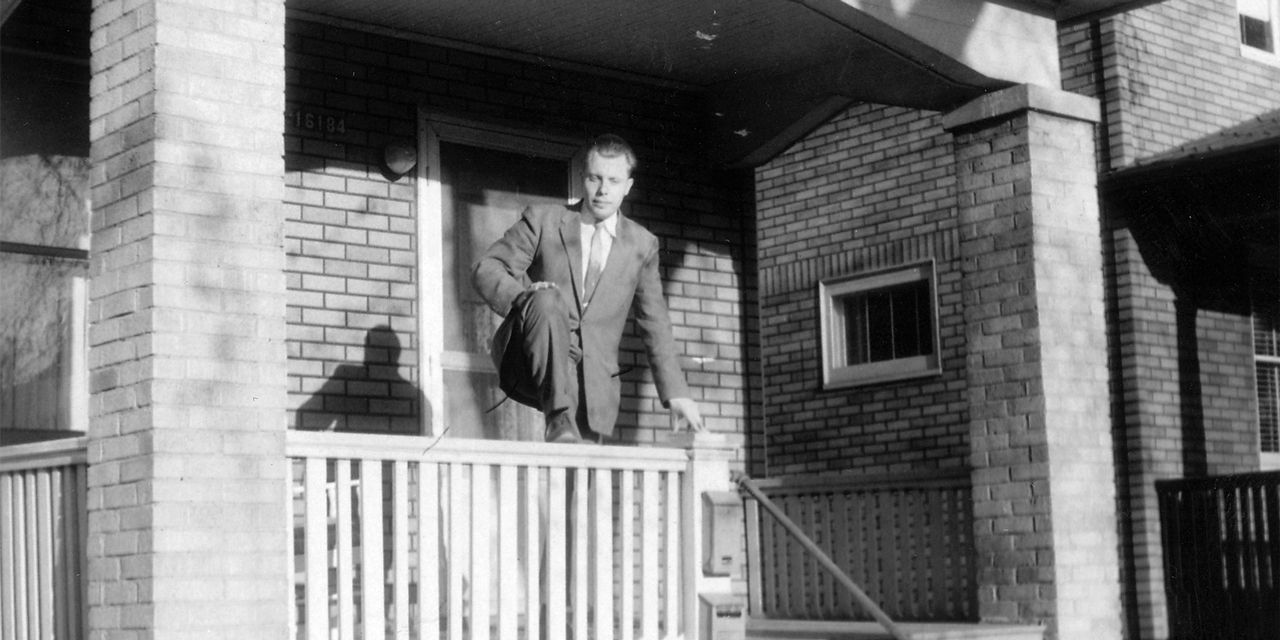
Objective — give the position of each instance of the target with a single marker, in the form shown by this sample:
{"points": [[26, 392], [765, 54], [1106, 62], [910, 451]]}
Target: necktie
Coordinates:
{"points": [[595, 263]]}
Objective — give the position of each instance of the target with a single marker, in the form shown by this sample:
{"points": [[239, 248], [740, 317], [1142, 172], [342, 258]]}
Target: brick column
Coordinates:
{"points": [[187, 356], [1044, 488]]}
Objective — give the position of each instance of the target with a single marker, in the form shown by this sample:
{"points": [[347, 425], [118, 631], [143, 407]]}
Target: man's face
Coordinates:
{"points": [[605, 183]]}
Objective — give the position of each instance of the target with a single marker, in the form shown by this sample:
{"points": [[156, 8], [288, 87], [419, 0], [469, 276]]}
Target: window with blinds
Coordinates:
{"points": [[879, 326], [1266, 350]]}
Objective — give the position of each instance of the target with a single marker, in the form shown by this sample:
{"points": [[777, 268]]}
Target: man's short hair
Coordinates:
{"points": [[611, 146]]}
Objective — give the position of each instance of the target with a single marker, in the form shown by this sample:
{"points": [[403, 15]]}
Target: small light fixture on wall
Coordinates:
{"points": [[400, 156]]}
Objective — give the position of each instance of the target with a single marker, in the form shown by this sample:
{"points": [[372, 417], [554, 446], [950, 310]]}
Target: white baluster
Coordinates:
{"points": [[602, 517], [82, 561], [671, 516], [626, 518], [61, 551], [44, 548], [373, 583], [459, 529], [555, 550], [31, 562], [532, 558], [346, 569], [581, 571], [428, 551], [508, 561], [315, 548], [482, 528], [650, 528], [400, 548], [9, 534]]}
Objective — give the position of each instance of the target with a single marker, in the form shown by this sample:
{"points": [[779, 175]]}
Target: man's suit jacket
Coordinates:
{"points": [[545, 245]]}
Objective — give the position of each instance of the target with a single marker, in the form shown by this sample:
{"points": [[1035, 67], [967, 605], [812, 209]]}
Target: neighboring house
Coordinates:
{"points": [[1032, 245]]}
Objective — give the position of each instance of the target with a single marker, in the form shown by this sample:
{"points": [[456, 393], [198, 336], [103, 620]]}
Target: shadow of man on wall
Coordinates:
{"points": [[371, 397]]}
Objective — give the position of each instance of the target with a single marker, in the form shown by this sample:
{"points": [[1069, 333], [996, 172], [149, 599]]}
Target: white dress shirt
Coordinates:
{"points": [[587, 231]]}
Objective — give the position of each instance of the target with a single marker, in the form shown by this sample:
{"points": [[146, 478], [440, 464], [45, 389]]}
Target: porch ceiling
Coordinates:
{"points": [[721, 47], [773, 69]]}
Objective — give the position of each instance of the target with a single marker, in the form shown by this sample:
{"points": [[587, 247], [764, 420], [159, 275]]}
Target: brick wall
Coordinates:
{"points": [[351, 245], [187, 359], [1226, 383], [1171, 72], [1184, 368], [1183, 400], [1042, 458], [872, 188]]}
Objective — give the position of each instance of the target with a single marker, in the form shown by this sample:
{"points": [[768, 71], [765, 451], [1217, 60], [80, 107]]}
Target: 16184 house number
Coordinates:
{"points": [[325, 123]]}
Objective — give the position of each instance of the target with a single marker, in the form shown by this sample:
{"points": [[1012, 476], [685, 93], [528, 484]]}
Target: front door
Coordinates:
{"points": [[478, 182]]}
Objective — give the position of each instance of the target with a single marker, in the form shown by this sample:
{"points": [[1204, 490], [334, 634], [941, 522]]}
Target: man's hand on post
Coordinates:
{"points": [[686, 410]]}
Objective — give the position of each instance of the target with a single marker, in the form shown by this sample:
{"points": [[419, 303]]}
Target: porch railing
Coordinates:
{"points": [[465, 539], [1221, 538], [43, 525], [813, 552], [906, 539]]}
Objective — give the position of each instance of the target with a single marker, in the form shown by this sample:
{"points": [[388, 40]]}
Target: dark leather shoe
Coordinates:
{"points": [[561, 428]]}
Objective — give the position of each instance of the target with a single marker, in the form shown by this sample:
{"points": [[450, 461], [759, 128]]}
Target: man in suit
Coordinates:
{"points": [[564, 278]]}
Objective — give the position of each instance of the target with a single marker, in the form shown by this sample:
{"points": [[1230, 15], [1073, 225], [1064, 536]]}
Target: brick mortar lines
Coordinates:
{"points": [[919, 424]]}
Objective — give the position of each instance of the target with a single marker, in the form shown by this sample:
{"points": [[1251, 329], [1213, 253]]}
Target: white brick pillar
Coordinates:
{"points": [[187, 336], [1044, 482]]}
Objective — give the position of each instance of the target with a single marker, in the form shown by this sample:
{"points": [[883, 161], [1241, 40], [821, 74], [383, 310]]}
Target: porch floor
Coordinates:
{"points": [[765, 629]]}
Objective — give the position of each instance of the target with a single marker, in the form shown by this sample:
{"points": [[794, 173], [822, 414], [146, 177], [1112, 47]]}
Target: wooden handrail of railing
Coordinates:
{"points": [[947, 478], [499, 452], [748, 485], [43, 455]]}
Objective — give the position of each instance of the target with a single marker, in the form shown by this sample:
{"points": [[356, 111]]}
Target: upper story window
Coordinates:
{"points": [[879, 326], [1258, 28]]}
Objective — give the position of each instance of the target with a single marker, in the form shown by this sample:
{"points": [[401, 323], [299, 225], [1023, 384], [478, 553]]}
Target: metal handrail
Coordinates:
{"points": [[748, 485]]}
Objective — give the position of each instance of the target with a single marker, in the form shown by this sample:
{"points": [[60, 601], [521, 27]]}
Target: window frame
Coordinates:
{"points": [[1267, 460], [836, 374], [1253, 53], [76, 334]]}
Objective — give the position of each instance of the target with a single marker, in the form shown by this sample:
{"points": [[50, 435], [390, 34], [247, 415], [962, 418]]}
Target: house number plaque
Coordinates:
{"points": [[320, 122]]}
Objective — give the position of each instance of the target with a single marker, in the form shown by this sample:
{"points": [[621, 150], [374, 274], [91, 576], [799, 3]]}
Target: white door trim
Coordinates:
{"points": [[433, 128]]}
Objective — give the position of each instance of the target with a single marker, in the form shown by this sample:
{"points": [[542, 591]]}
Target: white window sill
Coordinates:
{"points": [[881, 372], [1258, 55]]}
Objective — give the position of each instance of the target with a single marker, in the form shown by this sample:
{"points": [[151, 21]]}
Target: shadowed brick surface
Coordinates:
{"points": [[1168, 74]]}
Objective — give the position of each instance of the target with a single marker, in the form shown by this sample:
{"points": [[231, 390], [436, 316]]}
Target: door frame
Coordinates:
{"points": [[435, 127]]}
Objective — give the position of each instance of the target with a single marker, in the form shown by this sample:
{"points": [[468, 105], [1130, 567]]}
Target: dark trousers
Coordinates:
{"points": [[540, 355]]}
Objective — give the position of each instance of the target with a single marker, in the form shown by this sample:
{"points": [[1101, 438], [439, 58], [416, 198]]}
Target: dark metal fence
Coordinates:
{"points": [[1221, 540]]}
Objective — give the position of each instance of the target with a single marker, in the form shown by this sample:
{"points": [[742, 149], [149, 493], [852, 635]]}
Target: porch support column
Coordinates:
{"points": [[1043, 482], [187, 498]]}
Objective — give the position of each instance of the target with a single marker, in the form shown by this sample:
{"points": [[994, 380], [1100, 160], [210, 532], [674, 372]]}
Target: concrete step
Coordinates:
{"points": [[766, 629]]}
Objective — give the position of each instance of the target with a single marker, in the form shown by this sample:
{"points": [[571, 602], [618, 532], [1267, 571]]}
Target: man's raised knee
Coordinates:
{"points": [[545, 303]]}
